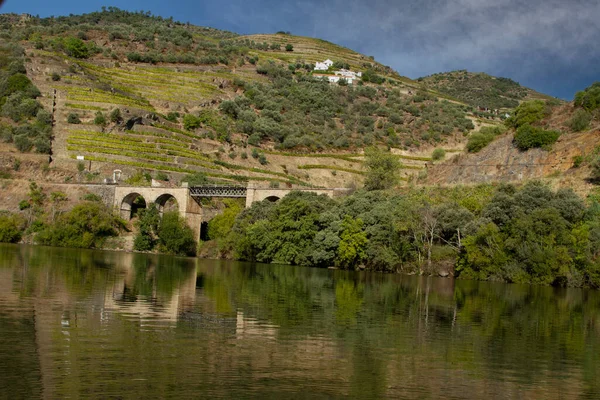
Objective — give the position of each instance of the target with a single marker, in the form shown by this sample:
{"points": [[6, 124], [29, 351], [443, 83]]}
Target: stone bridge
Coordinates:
{"points": [[187, 200]]}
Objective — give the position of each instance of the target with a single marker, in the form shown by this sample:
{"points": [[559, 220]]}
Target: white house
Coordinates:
{"points": [[333, 78], [323, 66], [348, 74]]}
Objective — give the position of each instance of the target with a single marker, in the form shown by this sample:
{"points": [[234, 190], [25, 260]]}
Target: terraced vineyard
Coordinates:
{"points": [[142, 92]]}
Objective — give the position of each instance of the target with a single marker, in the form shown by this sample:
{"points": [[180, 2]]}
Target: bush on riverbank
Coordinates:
{"points": [[87, 225], [526, 235], [170, 233], [11, 226]]}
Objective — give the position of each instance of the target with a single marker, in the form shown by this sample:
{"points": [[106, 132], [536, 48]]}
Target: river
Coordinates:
{"points": [[82, 323]]}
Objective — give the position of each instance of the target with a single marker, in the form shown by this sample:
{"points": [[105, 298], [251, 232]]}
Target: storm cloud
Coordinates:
{"points": [[549, 45]]}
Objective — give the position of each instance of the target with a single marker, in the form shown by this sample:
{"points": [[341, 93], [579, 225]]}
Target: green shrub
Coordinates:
{"points": [[87, 225], [11, 227], [438, 154], [115, 116], [55, 77], [528, 137], [91, 197], [23, 143], [100, 119], [191, 122], [527, 113], [175, 236], [162, 176], [76, 47], [478, 141], [589, 98], [580, 120], [73, 118], [289, 47], [196, 179], [173, 116]]}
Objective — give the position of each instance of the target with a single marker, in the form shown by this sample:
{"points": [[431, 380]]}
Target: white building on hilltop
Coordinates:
{"points": [[323, 66], [349, 76]]}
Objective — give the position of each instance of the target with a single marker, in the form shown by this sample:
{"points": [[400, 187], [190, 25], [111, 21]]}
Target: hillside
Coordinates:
{"points": [[481, 90], [572, 161], [144, 93]]}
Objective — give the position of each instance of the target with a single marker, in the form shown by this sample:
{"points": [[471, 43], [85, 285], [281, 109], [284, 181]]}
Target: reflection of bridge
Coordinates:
{"points": [[188, 200]]}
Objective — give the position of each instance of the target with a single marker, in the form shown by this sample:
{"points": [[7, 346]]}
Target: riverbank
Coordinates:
{"points": [[529, 234]]}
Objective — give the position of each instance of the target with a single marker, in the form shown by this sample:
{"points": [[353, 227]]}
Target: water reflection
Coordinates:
{"points": [[78, 323]]}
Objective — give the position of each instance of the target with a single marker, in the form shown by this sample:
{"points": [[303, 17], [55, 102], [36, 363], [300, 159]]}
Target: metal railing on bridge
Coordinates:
{"points": [[218, 191]]}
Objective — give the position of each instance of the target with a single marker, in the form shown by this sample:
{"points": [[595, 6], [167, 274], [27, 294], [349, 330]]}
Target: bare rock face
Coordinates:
{"points": [[502, 161]]}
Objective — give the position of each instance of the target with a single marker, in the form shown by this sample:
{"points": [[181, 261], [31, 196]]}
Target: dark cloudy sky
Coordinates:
{"points": [[552, 46]]}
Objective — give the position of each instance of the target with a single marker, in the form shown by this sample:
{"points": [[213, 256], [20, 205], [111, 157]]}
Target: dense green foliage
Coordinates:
{"points": [[382, 169], [528, 137], [479, 140], [478, 89], [438, 154], [87, 225], [528, 112], [169, 233], [11, 227], [18, 102], [535, 235], [589, 98], [175, 236], [531, 234], [299, 111]]}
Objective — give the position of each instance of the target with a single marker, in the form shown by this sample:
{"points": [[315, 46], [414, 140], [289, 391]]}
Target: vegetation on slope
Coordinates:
{"points": [[25, 122], [480, 89], [298, 111]]}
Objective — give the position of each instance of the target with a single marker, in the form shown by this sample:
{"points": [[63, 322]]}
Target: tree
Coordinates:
{"points": [[289, 47], [191, 122], [57, 198], [175, 236], [528, 137], [589, 98], [580, 120], [147, 224], [438, 154], [11, 227], [87, 225], [76, 47], [382, 169], [353, 243]]}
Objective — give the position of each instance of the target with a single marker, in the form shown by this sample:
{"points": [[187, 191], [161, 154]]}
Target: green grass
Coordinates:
{"points": [[85, 107], [258, 170], [329, 167]]}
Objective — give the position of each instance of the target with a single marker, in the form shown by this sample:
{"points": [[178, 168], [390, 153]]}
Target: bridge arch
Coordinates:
{"points": [[130, 204], [272, 198], [167, 202]]}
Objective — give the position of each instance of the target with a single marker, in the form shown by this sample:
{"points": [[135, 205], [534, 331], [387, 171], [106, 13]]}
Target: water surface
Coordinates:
{"points": [[80, 323]]}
